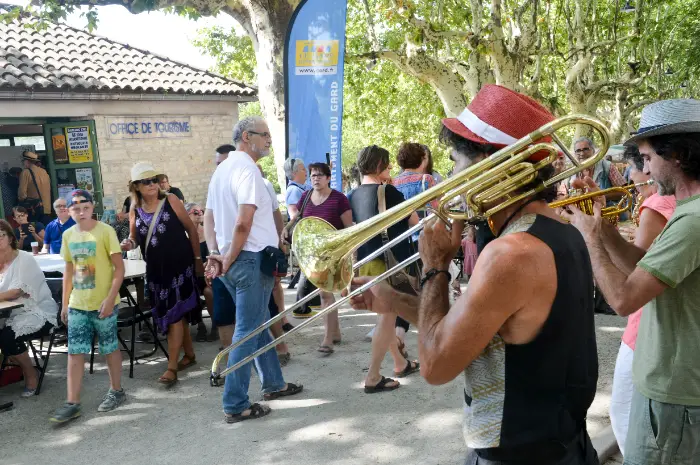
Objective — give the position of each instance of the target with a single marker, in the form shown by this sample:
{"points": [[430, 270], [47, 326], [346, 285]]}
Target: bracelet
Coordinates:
{"points": [[198, 258], [431, 274], [214, 252]]}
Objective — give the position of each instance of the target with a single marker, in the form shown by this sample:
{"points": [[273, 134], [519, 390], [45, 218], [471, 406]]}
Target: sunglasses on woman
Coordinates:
{"points": [[148, 182], [197, 212]]}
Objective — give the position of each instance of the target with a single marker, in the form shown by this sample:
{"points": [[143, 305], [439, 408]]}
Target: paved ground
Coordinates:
{"points": [[332, 422]]}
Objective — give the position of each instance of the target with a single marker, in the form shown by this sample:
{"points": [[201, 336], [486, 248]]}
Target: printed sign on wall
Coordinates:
{"points": [[79, 147], [151, 127]]}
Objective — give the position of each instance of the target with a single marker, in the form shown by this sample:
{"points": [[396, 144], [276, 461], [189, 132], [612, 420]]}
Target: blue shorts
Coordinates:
{"points": [[83, 324]]}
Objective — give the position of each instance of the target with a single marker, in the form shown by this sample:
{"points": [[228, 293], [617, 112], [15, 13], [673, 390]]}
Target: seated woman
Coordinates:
{"points": [[196, 214], [22, 281]]}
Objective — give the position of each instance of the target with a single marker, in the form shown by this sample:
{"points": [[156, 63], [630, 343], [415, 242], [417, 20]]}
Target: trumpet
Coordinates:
{"points": [[585, 201], [325, 255]]}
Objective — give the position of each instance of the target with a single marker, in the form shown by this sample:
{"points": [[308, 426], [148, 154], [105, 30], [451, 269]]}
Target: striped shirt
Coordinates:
{"points": [[330, 210]]}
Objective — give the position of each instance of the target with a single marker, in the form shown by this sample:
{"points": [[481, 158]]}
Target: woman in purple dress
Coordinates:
{"points": [[168, 240]]}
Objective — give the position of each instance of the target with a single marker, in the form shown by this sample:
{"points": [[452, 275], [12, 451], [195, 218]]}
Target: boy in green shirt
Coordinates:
{"points": [[92, 278]]}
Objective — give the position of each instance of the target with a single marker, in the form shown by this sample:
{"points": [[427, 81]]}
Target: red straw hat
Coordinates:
{"points": [[500, 116]]}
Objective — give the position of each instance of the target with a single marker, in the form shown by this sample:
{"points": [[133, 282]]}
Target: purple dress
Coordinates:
{"points": [[170, 272]]}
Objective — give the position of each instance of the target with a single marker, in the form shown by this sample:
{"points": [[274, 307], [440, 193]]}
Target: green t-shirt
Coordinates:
{"points": [[666, 364], [90, 252]]}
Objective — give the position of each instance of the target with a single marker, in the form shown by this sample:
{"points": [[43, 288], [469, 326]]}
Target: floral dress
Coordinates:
{"points": [[170, 271]]}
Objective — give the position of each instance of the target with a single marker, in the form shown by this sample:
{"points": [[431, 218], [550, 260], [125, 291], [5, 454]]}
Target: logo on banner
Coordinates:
{"points": [[316, 57]]}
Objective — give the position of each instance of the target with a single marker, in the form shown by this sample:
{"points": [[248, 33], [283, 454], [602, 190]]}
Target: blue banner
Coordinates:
{"points": [[314, 72]]}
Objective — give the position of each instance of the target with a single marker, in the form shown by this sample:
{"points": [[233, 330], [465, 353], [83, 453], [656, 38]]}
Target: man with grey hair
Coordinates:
{"points": [[240, 232], [604, 173], [295, 171], [53, 234]]}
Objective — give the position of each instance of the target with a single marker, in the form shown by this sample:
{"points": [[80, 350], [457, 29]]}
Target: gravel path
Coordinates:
{"points": [[332, 422]]}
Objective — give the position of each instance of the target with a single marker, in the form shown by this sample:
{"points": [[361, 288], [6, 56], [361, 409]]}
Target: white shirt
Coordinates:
{"points": [[273, 194], [237, 181]]}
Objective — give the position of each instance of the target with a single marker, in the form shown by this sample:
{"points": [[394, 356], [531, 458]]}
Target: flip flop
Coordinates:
{"points": [[182, 365], [256, 411], [410, 368], [290, 391], [166, 381], [326, 350], [381, 386]]}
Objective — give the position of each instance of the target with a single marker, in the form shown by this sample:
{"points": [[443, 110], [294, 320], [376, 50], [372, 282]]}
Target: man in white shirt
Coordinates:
{"points": [[238, 226]]}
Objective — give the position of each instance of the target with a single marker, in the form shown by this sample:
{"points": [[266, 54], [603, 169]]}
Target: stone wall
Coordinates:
{"points": [[188, 161]]}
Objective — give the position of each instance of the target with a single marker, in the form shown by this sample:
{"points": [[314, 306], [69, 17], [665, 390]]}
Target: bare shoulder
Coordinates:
{"points": [[517, 249]]}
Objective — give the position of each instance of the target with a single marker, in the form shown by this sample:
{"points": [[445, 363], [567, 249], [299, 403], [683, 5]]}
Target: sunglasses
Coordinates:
{"points": [[197, 212], [148, 182]]}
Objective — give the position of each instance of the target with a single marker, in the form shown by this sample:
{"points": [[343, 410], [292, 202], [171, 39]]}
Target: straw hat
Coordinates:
{"points": [[143, 170], [500, 116], [675, 116]]}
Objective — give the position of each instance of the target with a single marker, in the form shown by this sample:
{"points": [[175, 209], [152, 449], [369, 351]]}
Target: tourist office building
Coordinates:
{"points": [[91, 108]]}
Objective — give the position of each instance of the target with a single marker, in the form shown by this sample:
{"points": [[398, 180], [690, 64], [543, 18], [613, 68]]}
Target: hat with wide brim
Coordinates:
{"points": [[677, 116], [500, 117], [31, 156], [143, 170]]}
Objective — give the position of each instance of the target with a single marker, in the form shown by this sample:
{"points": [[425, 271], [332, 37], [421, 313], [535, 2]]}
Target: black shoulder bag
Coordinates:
{"points": [[31, 204]]}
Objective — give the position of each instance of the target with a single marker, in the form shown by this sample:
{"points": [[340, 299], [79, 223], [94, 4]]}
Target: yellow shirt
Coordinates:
{"points": [[90, 252]]}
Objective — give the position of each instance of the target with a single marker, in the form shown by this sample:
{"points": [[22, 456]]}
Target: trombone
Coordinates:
{"points": [[325, 255]]}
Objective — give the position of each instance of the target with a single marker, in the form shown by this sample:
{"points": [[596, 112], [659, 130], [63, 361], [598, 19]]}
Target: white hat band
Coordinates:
{"points": [[484, 130]]}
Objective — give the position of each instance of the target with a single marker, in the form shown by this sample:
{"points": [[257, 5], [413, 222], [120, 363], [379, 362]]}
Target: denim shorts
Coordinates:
{"points": [[83, 324]]}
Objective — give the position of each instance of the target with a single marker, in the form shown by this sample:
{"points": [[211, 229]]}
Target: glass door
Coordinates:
{"points": [[73, 161]]}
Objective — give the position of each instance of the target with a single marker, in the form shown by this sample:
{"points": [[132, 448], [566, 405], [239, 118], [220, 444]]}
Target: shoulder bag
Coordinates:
{"points": [[290, 226], [152, 226], [32, 205], [403, 281]]}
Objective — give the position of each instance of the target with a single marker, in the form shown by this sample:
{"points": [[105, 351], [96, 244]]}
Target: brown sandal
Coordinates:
{"points": [[167, 381], [181, 365]]}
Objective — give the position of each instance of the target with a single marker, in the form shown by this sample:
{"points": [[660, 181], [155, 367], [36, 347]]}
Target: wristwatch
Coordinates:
{"points": [[214, 252]]}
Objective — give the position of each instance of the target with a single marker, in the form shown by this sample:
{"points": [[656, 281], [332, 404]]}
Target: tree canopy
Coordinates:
{"points": [[411, 62]]}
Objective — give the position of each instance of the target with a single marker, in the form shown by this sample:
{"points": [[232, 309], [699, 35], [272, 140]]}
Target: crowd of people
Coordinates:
{"points": [[522, 337]]}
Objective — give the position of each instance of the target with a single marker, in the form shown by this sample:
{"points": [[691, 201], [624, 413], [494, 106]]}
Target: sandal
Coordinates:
{"points": [[402, 347], [289, 391], [381, 386], [284, 359], [287, 327], [256, 411], [327, 350], [181, 365], [411, 367], [168, 381]]}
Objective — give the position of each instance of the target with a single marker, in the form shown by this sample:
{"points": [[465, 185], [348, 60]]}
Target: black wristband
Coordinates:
{"points": [[431, 274]]}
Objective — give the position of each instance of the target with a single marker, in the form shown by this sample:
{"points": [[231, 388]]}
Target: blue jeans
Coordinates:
{"points": [[251, 291]]}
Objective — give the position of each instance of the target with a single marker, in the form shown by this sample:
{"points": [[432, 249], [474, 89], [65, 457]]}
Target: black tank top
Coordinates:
{"points": [[539, 392]]}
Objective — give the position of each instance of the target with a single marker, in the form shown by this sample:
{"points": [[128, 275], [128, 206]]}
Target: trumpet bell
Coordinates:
{"points": [[323, 254]]}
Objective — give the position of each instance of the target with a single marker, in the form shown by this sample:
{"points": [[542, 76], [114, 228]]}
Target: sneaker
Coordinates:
{"points": [[65, 413], [112, 400], [26, 392]]}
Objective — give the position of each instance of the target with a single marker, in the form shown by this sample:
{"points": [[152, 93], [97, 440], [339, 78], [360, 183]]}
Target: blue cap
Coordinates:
{"points": [[79, 196]]}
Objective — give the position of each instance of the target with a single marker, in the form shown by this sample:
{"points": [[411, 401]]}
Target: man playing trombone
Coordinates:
{"points": [[523, 334]]}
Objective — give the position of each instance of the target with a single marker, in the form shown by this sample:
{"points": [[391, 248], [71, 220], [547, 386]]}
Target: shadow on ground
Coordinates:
{"points": [[331, 422]]}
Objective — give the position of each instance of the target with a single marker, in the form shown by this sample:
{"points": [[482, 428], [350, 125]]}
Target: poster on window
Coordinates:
{"points": [[79, 147], [64, 191], [83, 179], [60, 155]]}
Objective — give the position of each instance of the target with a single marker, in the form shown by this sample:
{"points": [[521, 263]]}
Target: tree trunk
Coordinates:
{"points": [[267, 27]]}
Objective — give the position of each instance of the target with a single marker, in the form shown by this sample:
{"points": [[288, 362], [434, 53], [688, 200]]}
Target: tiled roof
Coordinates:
{"points": [[66, 59]]}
